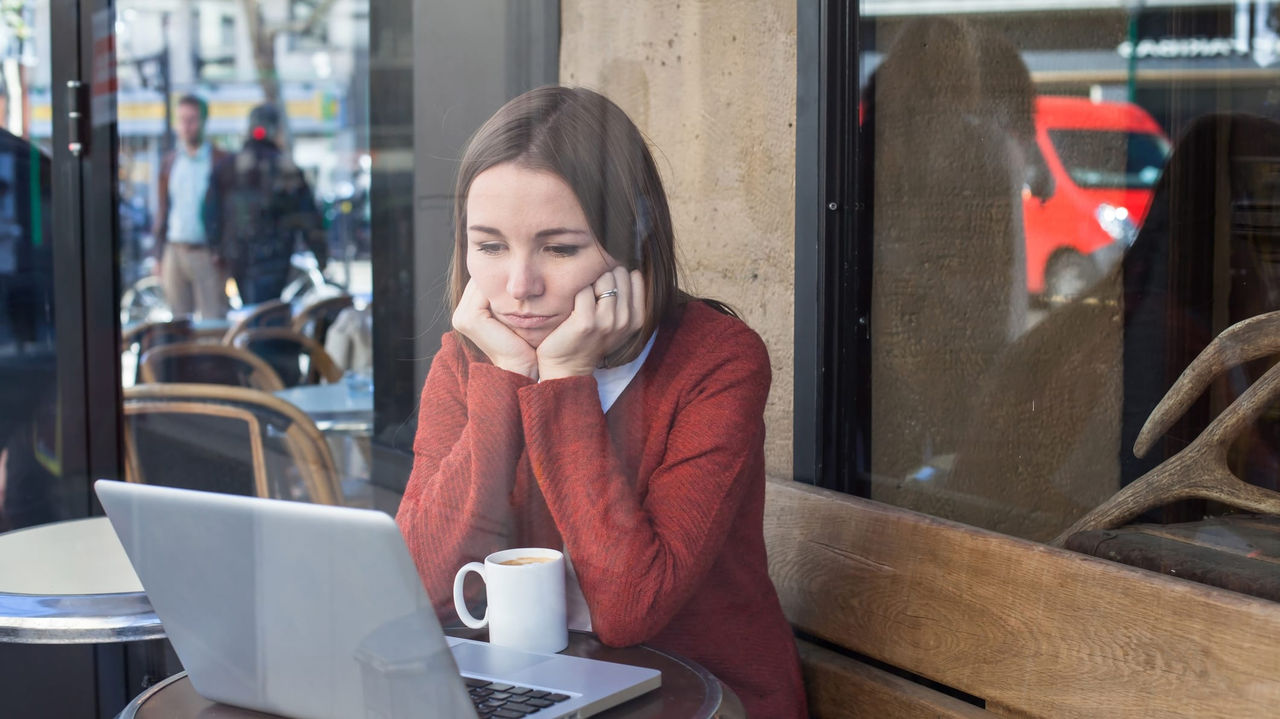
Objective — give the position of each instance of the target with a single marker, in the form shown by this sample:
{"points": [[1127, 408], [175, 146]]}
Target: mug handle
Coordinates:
{"points": [[460, 602]]}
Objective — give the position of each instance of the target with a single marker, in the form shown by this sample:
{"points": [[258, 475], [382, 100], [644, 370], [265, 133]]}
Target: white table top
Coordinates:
{"points": [[79, 556], [343, 407], [328, 399], [71, 583]]}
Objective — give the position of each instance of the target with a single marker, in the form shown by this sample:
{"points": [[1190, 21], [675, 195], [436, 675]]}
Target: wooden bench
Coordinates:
{"points": [[1024, 629]]}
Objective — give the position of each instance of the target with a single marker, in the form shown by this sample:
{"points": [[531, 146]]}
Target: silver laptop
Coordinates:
{"points": [[312, 611]]}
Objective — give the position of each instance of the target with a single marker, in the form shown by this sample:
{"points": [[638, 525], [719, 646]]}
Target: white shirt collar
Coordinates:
{"points": [[200, 155], [611, 381]]}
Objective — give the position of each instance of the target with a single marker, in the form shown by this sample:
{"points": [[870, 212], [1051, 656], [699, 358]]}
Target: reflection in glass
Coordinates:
{"points": [[30, 442], [1017, 346], [244, 226], [213, 51], [1097, 159]]}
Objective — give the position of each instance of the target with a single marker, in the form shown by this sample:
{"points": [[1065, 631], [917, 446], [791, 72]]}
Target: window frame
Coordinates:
{"points": [[833, 265]]}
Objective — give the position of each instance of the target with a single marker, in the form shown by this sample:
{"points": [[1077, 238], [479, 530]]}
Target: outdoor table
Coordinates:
{"points": [[206, 330], [339, 408], [71, 583], [687, 689], [343, 412]]}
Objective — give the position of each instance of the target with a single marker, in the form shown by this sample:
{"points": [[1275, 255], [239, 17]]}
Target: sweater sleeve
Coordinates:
{"points": [[456, 506], [639, 559]]}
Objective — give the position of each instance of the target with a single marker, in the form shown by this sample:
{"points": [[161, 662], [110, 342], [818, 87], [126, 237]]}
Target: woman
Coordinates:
{"points": [[583, 402]]}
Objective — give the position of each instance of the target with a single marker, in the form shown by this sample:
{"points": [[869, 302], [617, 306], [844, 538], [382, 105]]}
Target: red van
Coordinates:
{"points": [[1105, 158]]}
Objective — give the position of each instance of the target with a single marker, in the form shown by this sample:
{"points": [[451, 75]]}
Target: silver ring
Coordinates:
{"points": [[607, 293]]}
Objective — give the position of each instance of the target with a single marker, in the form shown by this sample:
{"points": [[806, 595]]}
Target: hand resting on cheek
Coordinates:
{"points": [[474, 320], [596, 327]]}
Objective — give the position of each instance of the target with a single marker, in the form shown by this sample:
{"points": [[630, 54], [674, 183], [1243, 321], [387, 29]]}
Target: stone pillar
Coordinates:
{"points": [[713, 86]]}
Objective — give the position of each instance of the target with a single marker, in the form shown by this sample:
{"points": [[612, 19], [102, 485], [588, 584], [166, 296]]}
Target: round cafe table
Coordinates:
{"points": [[71, 583], [687, 691]]}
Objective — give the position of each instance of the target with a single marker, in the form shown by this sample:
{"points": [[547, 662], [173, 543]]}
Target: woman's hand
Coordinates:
{"points": [[596, 327], [505, 349]]}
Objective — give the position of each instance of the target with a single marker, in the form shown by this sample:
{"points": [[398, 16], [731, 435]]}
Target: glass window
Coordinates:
{"points": [[256, 226], [1044, 193], [246, 245], [34, 488], [227, 30]]}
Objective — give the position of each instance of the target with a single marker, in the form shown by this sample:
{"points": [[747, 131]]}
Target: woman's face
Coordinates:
{"points": [[529, 248]]}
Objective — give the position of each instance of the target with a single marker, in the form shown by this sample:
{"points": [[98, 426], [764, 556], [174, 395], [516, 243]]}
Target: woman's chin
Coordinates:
{"points": [[533, 337]]}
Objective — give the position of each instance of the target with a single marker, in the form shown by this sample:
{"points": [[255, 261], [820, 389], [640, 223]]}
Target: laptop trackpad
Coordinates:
{"points": [[494, 661]]}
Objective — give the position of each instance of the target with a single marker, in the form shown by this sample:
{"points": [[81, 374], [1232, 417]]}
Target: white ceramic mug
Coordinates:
{"points": [[526, 602]]}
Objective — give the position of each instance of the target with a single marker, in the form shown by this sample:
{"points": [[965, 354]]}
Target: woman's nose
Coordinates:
{"points": [[524, 280]]}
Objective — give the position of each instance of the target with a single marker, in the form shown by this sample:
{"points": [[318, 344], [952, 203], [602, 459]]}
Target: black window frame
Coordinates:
{"points": [[832, 401]]}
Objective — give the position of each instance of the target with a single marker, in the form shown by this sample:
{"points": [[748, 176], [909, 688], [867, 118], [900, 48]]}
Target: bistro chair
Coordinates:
{"points": [[208, 364], [350, 340], [147, 335], [226, 439], [272, 313], [315, 319], [297, 359]]}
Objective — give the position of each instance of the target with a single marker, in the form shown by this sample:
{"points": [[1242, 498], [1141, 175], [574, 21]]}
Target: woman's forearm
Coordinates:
{"points": [[456, 506]]}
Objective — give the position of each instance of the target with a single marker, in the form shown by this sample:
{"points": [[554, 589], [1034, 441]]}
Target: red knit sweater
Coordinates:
{"points": [[660, 502]]}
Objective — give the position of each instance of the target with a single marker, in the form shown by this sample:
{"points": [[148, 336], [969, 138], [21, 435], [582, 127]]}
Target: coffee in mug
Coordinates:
{"points": [[521, 561], [525, 590]]}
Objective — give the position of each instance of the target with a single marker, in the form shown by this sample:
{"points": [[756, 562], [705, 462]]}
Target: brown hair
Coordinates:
{"points": [[200, 105], [590, 143]]}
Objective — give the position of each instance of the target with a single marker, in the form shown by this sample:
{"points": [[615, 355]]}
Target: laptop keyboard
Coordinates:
{"points": [[508, 701]]}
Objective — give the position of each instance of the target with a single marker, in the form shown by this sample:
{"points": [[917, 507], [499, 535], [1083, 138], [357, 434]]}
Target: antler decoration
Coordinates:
{"points": [[1200, 470]]}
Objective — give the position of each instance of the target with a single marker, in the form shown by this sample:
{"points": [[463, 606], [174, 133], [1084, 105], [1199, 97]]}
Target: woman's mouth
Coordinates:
{"points": [[527, 322]]}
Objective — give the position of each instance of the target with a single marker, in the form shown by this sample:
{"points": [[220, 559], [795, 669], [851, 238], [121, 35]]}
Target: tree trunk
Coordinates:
{"points": [[263, 40]]}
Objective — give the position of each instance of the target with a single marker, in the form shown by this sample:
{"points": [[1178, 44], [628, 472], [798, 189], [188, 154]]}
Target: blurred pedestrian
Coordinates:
{"points": [[258, 206], [187, 269]]}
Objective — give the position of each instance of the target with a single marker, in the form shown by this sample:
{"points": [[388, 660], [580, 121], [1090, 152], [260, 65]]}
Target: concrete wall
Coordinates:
{"points": [[713, 86]]}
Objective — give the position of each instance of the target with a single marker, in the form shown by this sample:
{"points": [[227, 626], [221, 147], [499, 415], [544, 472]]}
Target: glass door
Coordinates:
{"points": [[244, 246], [51, 444], [232, 178], [35, 479]]}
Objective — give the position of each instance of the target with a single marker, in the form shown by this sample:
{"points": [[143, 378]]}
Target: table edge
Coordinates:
{"points": [[130, 710], [712, 700], [714, 696], [74, 618]]}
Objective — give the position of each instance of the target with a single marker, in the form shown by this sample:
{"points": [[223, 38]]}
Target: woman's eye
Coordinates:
{"points": [[563, 250], [489, 248]]}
